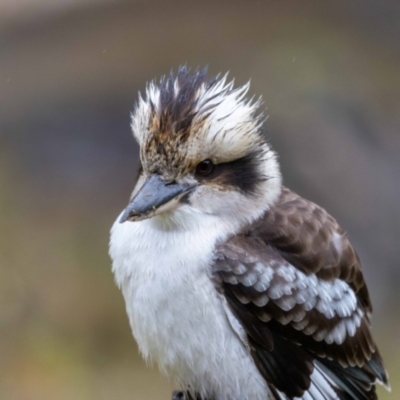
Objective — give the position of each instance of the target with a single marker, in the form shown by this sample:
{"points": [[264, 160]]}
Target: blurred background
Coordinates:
{"points": [[70, 70]]}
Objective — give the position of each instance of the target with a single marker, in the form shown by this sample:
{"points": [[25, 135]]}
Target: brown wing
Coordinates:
{"points": [[294, 282], [309, 238]]}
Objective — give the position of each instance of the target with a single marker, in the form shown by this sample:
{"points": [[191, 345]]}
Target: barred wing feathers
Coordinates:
{"points": [[295, 284]]}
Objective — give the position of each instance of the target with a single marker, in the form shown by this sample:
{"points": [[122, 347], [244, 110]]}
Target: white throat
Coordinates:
{"points": [[182, 235], [177, 317]]}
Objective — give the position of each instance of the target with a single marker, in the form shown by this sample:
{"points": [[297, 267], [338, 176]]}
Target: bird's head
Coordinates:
{"points": [[201, 151]]}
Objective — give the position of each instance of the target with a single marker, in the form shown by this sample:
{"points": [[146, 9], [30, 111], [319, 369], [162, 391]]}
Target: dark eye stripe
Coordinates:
{"points": [[242, 173]]}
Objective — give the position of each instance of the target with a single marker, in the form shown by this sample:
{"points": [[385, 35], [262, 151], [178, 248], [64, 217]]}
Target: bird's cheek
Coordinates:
{"points": [[209, 200]]}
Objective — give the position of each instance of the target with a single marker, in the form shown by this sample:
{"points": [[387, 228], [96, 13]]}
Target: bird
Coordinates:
{"points": [[235, 286]]}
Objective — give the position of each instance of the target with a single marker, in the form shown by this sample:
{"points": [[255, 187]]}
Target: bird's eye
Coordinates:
{"points": [[204, 168]]}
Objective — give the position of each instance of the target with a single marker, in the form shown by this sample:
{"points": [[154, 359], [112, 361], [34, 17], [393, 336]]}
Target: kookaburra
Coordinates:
{"points": [[237, 287]]}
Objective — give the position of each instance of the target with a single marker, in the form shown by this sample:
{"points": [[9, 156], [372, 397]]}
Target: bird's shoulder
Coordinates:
{"points": [[309, 238], [294, 282]]}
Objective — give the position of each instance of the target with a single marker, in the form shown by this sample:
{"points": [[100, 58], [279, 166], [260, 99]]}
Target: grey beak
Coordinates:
{"points": [[154, 193]]}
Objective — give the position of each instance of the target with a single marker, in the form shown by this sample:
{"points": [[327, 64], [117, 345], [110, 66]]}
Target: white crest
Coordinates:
{"points": [[225, 125]]}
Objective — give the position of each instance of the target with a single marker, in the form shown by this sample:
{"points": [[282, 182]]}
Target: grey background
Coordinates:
{"points": [[69, 76]]}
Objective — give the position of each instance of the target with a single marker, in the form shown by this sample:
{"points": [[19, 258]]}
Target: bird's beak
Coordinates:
{"points": [[154, 197]]}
